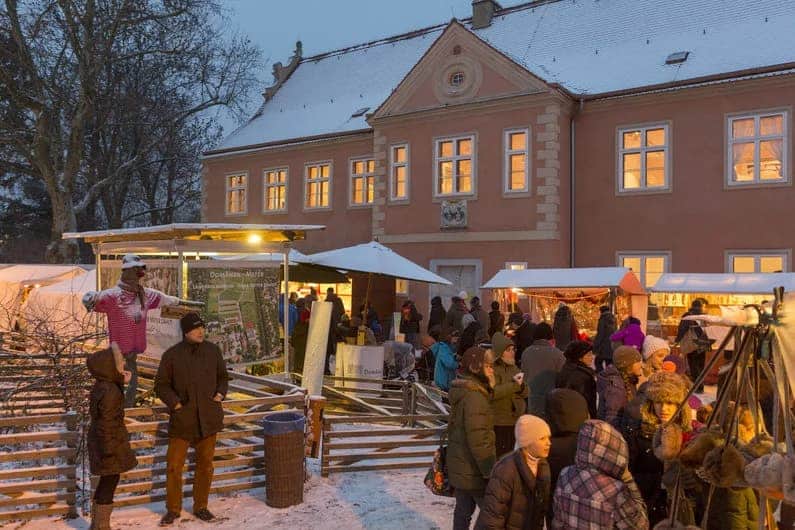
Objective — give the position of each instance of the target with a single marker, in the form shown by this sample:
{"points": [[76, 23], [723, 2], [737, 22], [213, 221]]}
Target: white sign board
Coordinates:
{"points": [[361, 361], [316, 344]]}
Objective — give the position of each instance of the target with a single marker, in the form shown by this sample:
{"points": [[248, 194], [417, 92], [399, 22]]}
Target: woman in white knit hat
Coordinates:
{"points": [[655, 350], [518, 492]]}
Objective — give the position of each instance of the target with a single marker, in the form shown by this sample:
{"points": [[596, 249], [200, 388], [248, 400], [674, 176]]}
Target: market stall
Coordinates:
{"points": [[17, 281], [59, 306], [583, 289]]}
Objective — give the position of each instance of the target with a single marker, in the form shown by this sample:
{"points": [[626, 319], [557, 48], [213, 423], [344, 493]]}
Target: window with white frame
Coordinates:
{"points": [[362, 181], [757, 261], [515, 265], [516, 163], [757, 150], [453, 166], [643, 162], [399, 172], [317, 185], [274, 187], [647, 267], [236, 187]]}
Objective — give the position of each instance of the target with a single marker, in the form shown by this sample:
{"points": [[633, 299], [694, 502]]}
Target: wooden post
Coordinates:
{"points": [[324, 463], [317, 405], [72, 443]]}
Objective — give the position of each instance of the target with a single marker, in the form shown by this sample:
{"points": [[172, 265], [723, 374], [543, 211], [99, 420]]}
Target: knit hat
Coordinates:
{"points": [[652, 344], [665, 387], [190, 322], [500, 343], [131, 260], [624, 357], [528, 429], [577, 349], [677, 362], [463, 295], [474, 359]]}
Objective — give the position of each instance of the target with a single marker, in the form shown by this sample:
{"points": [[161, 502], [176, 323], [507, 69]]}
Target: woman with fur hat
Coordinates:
{"points": [[510, 393], [617, 385], [577, 373], [518, 494], [654, 352], [109, 451], [470, 431]]}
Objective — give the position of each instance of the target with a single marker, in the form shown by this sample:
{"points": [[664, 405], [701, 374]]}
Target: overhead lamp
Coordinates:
{"points": [[254, 239]]}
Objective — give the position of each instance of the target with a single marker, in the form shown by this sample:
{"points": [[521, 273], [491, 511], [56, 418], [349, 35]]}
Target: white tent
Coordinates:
{"points": [[60, 306], [14, 281], [704, 283]]}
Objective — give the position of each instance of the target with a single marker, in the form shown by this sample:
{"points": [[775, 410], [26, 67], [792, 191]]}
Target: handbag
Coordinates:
{"points": [[437, 479], [688, 343]]}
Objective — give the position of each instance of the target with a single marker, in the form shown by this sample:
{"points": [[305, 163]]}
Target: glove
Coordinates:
{"points": [[90, 300]]}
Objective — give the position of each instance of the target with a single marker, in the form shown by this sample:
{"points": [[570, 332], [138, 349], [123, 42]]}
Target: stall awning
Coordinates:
{"points": [[578, 278], [705, 283]]}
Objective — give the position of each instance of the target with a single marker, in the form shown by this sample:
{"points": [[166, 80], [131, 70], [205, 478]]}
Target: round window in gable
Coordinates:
{"points": [[457, 79]]}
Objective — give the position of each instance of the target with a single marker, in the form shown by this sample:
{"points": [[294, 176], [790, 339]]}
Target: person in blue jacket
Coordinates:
{"points": [[292, 315], [445, 363]]}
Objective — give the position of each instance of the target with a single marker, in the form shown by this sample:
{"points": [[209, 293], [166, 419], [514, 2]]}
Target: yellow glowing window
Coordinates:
{"points": [[362, 181], [275, 190], [399, 173], [762, 262], [236, 188], [757, 150], [317, 184], [454, 166], [643, 158], [517, 171], [647, 267]]}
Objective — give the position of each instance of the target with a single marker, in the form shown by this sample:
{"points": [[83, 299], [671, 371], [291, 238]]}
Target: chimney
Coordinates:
{"points": [[483, 12]]}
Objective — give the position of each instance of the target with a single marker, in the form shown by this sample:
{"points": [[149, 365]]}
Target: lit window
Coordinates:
{"points": [[236, 194], [362, 181], [399, 172], [758, 261], [453, 158], [401, 286], [275, 190], [757, 150], [317, 184], [643, 158], [647, 267], [517, 170], [516, 265]]}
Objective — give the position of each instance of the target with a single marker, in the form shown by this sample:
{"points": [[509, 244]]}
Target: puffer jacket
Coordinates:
{"points": [[109, 451], [577, 376], [541, 363], [515, 499], [631, 335], [613, 397], [471, 450], [733, 509], [602, 345], [598, 491], [437, 314], [564, 327], [510, 400], [566, 412]]}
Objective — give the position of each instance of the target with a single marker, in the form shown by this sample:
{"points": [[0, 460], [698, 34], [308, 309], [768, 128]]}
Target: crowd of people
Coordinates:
{"points": [[549, 430]]}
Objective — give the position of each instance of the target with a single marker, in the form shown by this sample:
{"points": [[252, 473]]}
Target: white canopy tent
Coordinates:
{"points": [[60, 306], [758, 283], [14, 281]]}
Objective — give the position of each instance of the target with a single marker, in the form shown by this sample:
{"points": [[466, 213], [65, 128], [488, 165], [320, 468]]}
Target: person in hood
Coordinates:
{"points": [[577, 373], [631, 335], [655, 350], [410, 320], [510, 393], [496, 319], [477, 311], [523, 335], [618, 384], [455, 313], [518, 494], [438, 314], [602, 345], [471, 450], [445, 363], [541, 363], [472, 335], [567, 411], [192, 381], [108, 441], [564, 327], [598, 491]]}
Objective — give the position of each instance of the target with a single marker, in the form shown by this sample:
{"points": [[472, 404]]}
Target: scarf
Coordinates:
{"points": [[532, 461], [136, 288]]}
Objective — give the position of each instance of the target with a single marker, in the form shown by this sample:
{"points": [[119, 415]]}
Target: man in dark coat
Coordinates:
{"points": [[541, 363], [602, 345], [698, 344], [577, 373], [454, 315], [437, 317], [496, 320], [192, 381]]}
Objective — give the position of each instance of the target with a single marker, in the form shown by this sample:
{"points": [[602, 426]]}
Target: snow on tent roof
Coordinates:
{"points": [[587, 46], [578, 278], [759, 283], [37, 273]]}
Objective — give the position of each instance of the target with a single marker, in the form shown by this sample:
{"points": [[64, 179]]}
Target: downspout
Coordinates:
{"points": [[572, 194]]}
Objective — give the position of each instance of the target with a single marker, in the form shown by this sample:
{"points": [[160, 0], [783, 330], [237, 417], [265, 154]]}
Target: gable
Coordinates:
{"points": [[459, 68]]}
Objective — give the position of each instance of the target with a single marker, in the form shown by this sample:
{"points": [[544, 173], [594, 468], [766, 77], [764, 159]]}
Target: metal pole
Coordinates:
{"points": [[180, 274], [286, 308]]}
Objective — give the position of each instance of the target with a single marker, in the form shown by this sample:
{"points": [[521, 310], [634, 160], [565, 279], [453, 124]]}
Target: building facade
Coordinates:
{"points": [[551, 134]]}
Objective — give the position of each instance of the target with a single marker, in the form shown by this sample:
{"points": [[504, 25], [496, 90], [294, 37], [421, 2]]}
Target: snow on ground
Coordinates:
{"points": [[349, 501]]}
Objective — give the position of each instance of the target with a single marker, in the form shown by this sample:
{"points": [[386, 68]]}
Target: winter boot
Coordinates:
{"points": [[103, 516]]}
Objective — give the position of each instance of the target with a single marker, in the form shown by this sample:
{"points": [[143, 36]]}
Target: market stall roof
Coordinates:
{"points": [[751, 283], [375, 258], [577, 278], [41, 274]]}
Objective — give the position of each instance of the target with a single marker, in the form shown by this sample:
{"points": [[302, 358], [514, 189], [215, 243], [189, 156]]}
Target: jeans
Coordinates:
{"points": [[202, 477], [106, 488], [131, 392], [465, 503]]}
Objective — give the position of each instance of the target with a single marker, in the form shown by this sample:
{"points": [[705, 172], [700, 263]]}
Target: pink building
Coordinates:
{"points": [[655, 135]]}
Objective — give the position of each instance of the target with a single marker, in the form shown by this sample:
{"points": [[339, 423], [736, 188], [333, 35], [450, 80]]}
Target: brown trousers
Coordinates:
{"points": [[202, 477]]}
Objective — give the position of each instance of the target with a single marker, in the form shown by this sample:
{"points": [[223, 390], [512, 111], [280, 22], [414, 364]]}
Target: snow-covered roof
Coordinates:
{"points": [[588, 47], [577, 278], [18, 274], [189, 231], [760, 283]]}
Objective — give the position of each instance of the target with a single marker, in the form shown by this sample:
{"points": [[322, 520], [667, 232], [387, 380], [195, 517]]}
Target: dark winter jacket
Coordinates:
{"points": [[646, 468], [410, 319], [469, 337], [523, 338], [541, 363], [576, 376], [564, 327], [699, 332], [109, 451], [496, 322], [481, 317], [510, 400], [733, 509], [191, 374], [566, 412], [515, 498], [602, 345], [452, 319], [471, 450], [613, 396], [437, 314]]}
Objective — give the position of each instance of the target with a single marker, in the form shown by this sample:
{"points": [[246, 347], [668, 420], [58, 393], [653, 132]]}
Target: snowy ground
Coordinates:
{"points": [[349, 501]]}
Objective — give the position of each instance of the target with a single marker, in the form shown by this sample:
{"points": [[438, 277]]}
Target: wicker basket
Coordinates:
{"points": [[284, 459]]}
